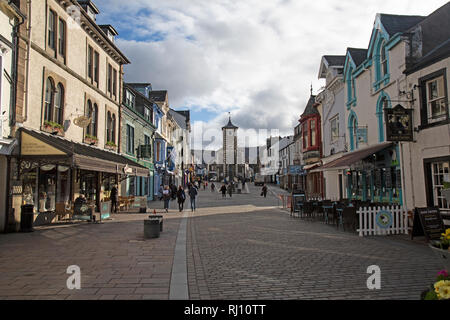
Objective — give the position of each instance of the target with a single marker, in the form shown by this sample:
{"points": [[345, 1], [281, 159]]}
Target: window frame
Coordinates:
{"points": [[334, 137], [425, 116], [51, 34]]}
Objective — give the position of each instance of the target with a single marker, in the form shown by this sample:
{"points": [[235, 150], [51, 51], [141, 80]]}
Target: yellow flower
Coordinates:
{"points": [[442, 289], [444, 292]]}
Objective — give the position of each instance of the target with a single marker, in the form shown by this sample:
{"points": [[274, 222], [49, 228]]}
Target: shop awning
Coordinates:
{"points": [[6, 146], [35, 145], [350, 158], [310, 166]]}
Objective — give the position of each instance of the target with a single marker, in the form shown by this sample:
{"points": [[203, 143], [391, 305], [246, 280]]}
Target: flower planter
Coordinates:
{"points": [[443, 254], [50, 129], [109, 147], [90, 141]]}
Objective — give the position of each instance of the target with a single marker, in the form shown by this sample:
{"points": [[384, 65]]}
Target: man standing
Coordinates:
{"points": [[114, 198], [193, 195]]}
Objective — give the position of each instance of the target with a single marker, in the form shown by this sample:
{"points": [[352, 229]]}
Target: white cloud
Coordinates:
{"points": [[256, 58]]}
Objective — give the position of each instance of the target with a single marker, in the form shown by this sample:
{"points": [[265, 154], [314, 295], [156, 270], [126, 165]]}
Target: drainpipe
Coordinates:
{"points": [[28, 60], [14, 64]]}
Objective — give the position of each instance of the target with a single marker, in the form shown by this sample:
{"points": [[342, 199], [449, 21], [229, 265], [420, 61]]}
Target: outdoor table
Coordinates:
{"points": [[326, 208]]}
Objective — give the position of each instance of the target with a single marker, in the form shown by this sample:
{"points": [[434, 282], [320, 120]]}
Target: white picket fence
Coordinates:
{"points": [[395, 219]]}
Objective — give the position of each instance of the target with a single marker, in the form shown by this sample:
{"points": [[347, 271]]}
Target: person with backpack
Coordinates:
{"points": [[181, 198], [193, 195]]}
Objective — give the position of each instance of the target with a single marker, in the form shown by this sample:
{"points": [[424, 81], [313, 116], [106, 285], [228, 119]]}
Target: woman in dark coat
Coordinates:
{"points": [[181, 198]]}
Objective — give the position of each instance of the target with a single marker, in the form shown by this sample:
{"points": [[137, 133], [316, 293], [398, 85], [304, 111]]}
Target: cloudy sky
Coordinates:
{"points": [[255, 59]]}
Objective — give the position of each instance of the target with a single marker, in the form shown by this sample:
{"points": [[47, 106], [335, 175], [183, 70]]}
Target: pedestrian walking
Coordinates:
{"points": [[181, 198], [166, 195], [204, 185], [264, 191], [193, 195], [223, 189], [230, 190], [160, 192], [213, 187], [174, 191], [114, 198]]}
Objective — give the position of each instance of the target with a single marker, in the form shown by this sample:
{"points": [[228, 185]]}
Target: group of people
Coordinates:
{"points": [[171, 192]]}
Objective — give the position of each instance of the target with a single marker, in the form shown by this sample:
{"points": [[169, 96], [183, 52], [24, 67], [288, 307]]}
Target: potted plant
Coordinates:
{"points": [[110, 145], [51, 127], [445, 191], [90, 139], [442, 247], [440, 290]]}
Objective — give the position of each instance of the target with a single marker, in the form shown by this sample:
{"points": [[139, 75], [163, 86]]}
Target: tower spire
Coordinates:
{"points": [[311, 89]]}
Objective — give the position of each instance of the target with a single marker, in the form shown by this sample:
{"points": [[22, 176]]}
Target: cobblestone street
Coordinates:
{"points": [[243, 247]]}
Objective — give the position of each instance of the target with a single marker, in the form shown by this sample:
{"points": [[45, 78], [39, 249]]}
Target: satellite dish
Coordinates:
{"points": [[82, 121]]}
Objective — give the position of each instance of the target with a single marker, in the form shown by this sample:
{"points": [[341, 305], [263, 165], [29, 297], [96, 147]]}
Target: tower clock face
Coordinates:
{"points": [[230, 133]]}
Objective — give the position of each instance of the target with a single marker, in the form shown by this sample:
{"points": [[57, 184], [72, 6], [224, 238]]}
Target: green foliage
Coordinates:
{"points": [[111, 144], [88, 136], [431, 295], [446, 185], [52, 124]]}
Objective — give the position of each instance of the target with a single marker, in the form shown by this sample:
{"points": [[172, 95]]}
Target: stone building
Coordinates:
{"points": [[137, 132], [66, 111], [10, 20]]}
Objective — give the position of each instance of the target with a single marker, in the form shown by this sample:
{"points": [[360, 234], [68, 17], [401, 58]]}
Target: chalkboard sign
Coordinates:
{"points": [[298, 200], [431, 221], [388, 178]]}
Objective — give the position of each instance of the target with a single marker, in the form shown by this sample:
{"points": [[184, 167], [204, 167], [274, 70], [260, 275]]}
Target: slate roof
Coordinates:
{"points": [[398, 23], [285, 141], [358, 55], [440, 52], [179, 118], [230, 125], [335, 60], [310, 108], [158, 95]]}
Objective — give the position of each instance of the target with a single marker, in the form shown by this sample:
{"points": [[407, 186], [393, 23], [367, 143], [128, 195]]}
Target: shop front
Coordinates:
{"points": [[371, 174], [50, 173]]}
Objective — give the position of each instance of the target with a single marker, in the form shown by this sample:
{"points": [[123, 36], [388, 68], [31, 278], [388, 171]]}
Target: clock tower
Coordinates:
{"points": [[229, 150]]}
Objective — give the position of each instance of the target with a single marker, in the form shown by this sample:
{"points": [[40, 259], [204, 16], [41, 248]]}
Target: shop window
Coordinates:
{"points": [[47, 188], [440, 173]]}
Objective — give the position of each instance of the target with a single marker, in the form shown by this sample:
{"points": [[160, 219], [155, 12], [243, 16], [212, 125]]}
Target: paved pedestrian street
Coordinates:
{"points": [[244, 247]]}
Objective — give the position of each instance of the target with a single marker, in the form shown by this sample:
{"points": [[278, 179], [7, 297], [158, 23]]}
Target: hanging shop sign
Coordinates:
{"points": [[399, 124]]}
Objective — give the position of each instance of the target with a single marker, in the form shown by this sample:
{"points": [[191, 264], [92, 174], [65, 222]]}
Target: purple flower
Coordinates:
{"points": [[443, 273]]}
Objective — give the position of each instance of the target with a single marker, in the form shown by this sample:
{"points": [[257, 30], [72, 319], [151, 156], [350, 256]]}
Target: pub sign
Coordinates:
{"points": [[399, 124]]}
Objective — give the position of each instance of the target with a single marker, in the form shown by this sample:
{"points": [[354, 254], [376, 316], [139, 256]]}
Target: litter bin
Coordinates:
{"points": [[152, 227], [160, 217], [26, 218]]}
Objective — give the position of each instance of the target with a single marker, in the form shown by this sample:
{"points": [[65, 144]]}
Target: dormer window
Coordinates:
{"points": [[129, 99]]}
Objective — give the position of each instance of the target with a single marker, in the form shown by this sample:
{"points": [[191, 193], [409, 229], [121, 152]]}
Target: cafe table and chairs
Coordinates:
{"points": [[327, 206]]}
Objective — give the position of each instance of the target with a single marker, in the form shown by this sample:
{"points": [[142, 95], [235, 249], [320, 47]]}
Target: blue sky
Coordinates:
{"points": [[254, 58]]}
